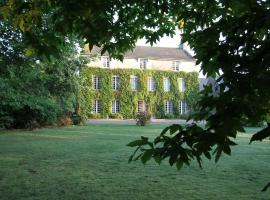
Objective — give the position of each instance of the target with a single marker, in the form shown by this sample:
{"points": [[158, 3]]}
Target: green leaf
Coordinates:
{"points": [[164, 130], [207, 155], [261, 135], [157, 159], [174, 128], [179, 164], [227, 149], [218, 152], [137, 143], [147, 155]]}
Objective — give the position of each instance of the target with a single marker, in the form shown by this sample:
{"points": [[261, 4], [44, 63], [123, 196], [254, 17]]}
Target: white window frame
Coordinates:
{"points": [[168, 107], [106, 62], [151, 84], [115, 82], [143, 63], [96, 106], [134, 82], [176, 65], [183, 108], [96, 82], [115, 106], [181, 84], [166, 84]]}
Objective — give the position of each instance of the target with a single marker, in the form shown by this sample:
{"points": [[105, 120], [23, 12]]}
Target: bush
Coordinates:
{"points": [[76, 119], [65, 120], [184, 116], [169, 116], [94, 116], [116, 116], [143, 118]]}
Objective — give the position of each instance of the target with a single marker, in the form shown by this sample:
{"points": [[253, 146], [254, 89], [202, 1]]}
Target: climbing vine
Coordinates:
{"points": [[129, 99]]}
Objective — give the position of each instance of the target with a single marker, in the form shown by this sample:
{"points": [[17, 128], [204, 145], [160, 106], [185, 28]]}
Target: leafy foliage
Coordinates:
{"points": [[231, 37], [35, 92], [128, 98], [142, 118]]}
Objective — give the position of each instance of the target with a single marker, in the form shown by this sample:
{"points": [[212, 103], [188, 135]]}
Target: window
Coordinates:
{"points": [[183, 107], [134, 83], [116, 82], [96, 82], [105, 62], [167, 84], [115, 106], [96, 106], [176, 65], [168, 107], [181, 83], [141, 106], [143, 63], [151, 84]]}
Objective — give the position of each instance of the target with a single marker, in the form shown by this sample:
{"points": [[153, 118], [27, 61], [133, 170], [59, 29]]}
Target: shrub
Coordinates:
{"points": [[169, 116], [65, 120], [142, 118], [184, 116], [116, 116]]}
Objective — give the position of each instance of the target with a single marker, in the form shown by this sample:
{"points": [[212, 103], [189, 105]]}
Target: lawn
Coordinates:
{"points": [[90, 162]]}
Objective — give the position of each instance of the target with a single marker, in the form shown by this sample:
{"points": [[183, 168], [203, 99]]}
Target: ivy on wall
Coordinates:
{"points": [[129, 99]]}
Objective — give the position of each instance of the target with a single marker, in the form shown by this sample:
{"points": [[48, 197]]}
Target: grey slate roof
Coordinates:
{"points": [[154, 53]]}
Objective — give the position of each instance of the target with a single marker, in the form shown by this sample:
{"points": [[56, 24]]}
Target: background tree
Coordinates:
{"points": [[35, 92], [229, 36]]}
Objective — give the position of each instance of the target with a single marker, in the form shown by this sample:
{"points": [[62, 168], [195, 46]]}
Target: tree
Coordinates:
{"points": [[229, 36], [35, 92]]}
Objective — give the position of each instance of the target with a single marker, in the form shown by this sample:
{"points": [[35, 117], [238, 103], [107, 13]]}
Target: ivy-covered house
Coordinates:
{"points": [[159, 80]]}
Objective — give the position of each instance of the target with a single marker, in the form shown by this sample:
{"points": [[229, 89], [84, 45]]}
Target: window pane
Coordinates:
{"points": [[151, 84], [106, 62], [167, 84], [134, 83], [143, 63], [141, 106]]}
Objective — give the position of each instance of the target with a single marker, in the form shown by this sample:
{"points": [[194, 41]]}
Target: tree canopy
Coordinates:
{"points": [[231, 39]]}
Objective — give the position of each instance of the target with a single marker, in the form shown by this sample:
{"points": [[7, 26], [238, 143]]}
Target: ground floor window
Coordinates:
{"points": [[183, 108], [168, 107], [115, 106], [96, 106], [141, 106]]}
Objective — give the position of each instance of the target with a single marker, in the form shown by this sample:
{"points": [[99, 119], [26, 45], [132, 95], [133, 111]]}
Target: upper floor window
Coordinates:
{"points": [[115, 106], [143, 63], [151, 84], [167, 84], [176, 65], [168, 107], [96, 106], [116, 82], [134, 82], [183, 108], [181, 83], [96, 82], [105, 62]]}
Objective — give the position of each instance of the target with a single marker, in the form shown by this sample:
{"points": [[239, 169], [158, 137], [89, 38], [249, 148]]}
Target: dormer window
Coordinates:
{"points": [[143, 63], [176, 65], [105, 62]]}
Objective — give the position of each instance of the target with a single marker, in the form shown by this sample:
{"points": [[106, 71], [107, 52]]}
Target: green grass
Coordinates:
{"points": [[90, 162]]}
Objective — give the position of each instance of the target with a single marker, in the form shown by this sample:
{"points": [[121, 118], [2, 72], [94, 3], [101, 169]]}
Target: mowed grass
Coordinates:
{"points": [[90, 162]]}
